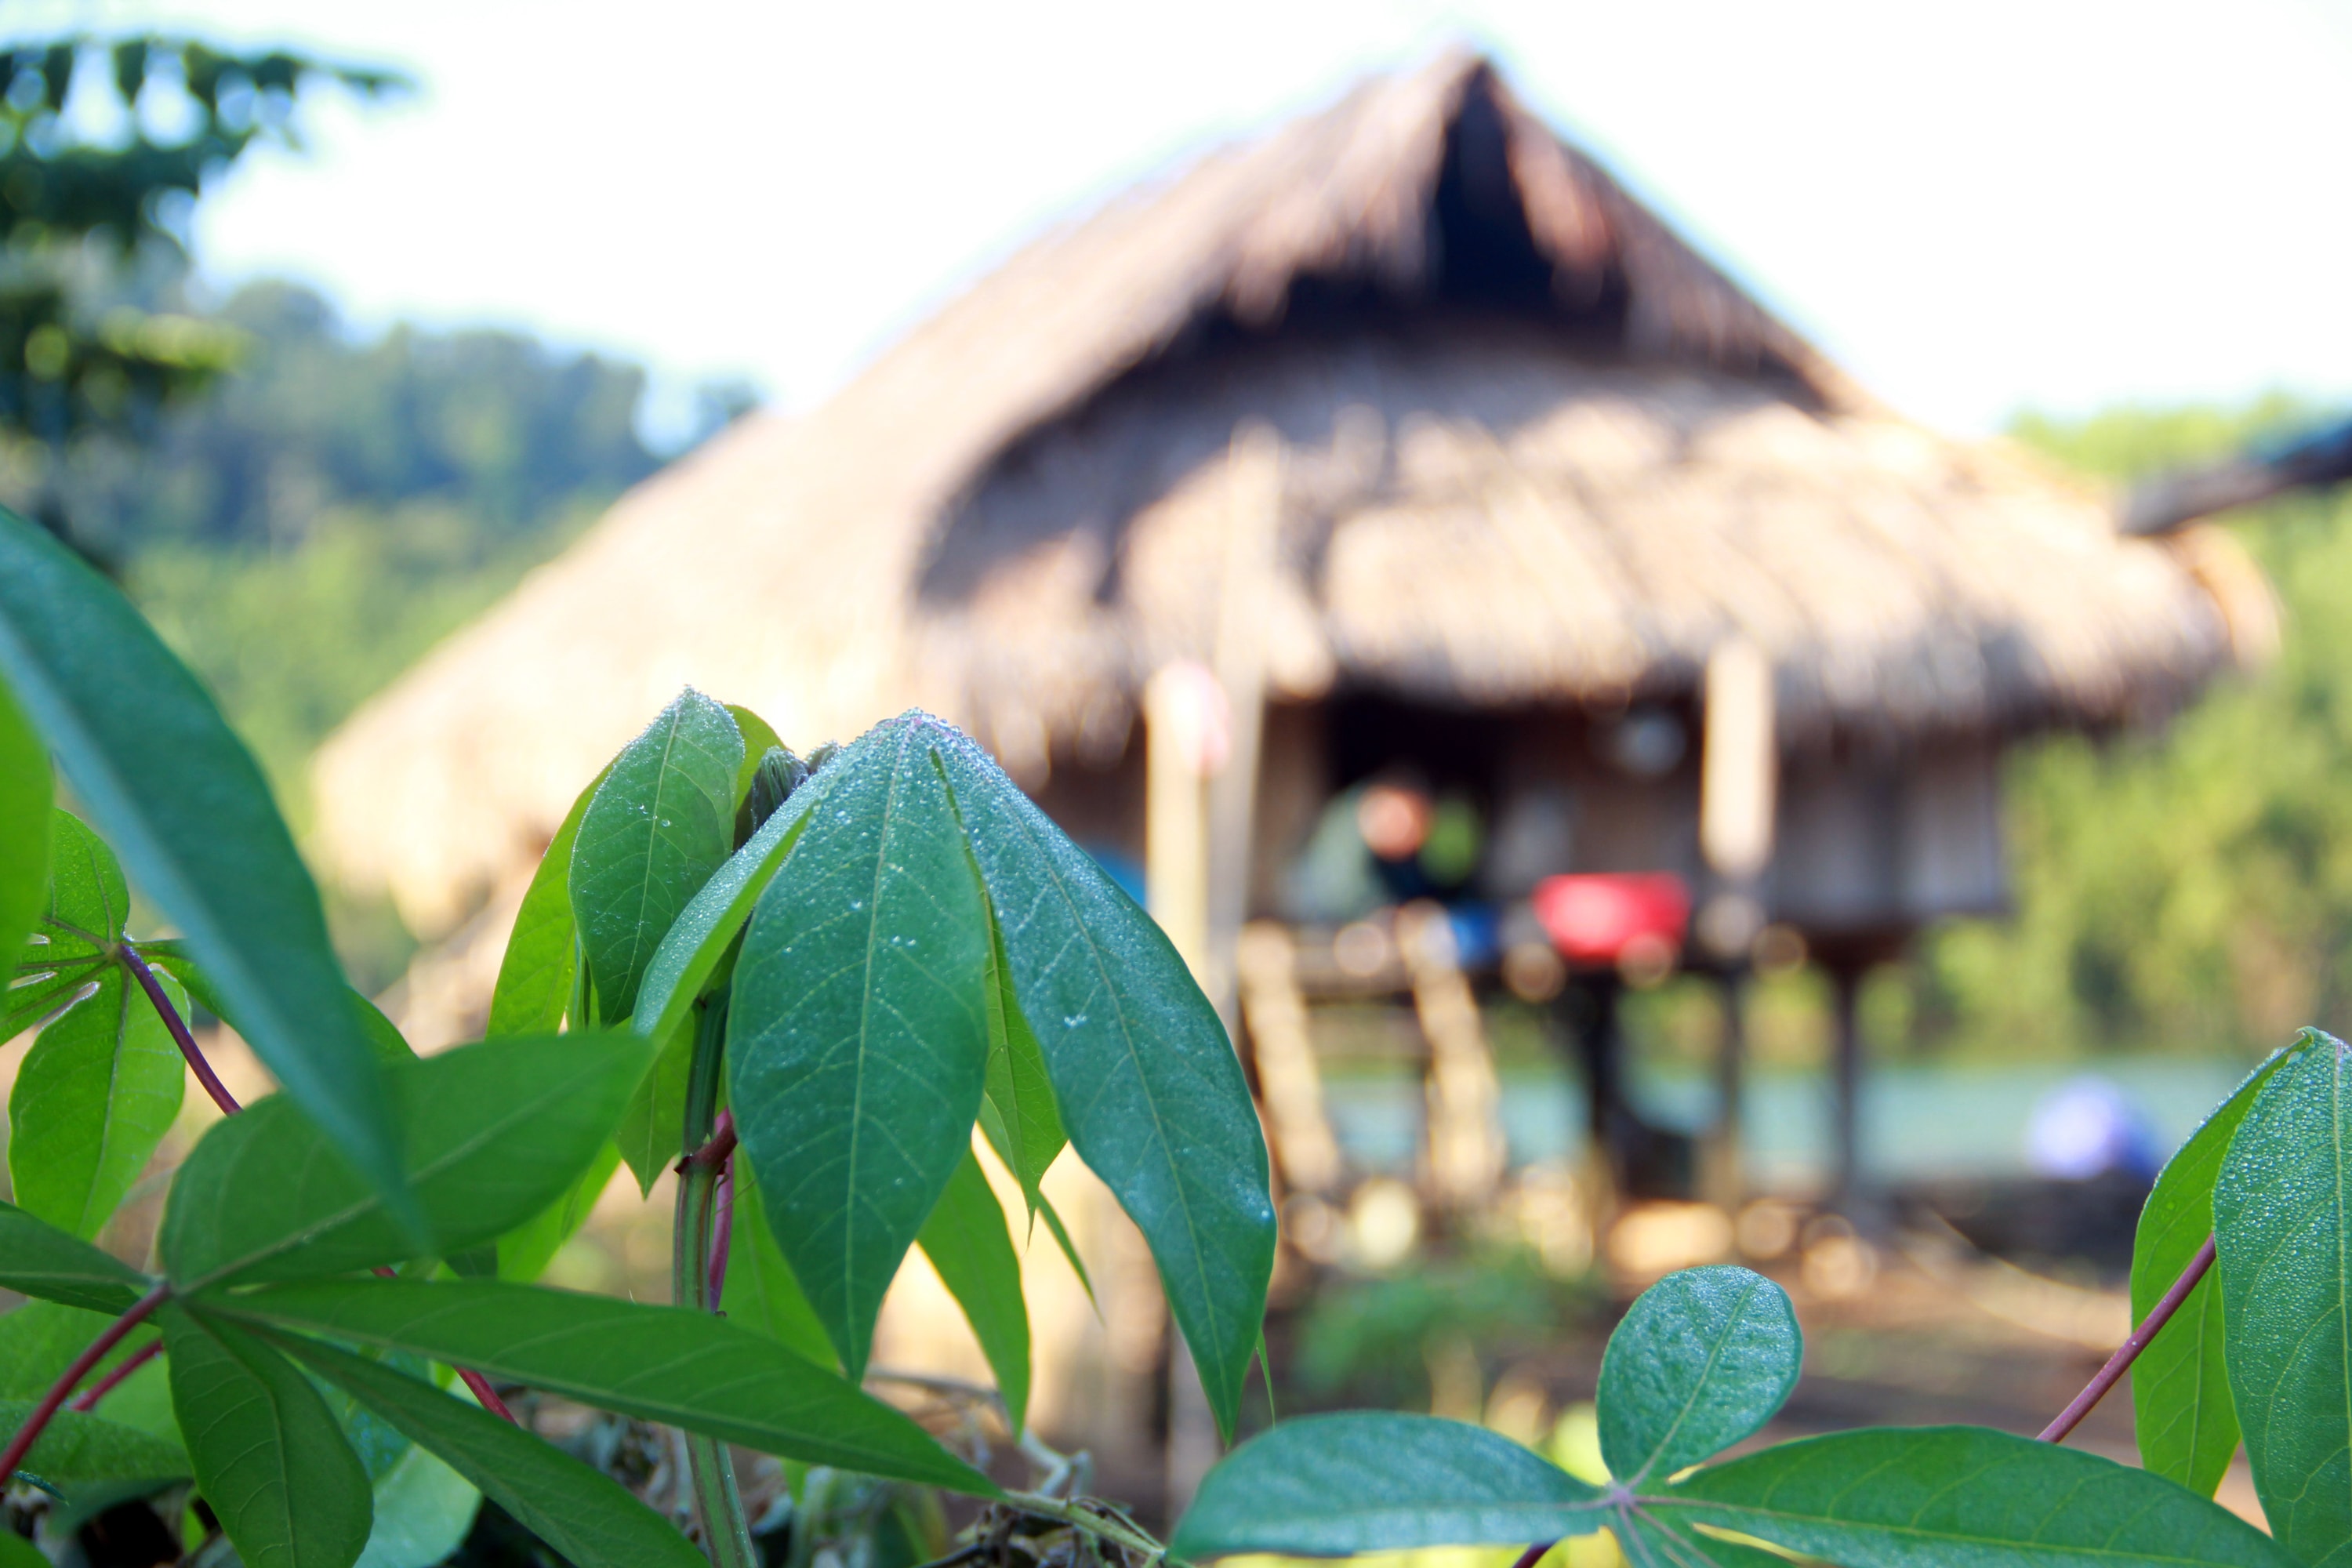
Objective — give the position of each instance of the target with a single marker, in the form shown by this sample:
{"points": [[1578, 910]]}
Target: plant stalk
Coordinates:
{"points": [[2128, 1352], [52, 1402], [722, 1225], [1533, 1554], [179, 1028], [697, 1270], [1080, 1516], [87, 1401]]}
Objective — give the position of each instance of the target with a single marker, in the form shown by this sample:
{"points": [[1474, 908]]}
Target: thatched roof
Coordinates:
{"points": [[1538, 451]]}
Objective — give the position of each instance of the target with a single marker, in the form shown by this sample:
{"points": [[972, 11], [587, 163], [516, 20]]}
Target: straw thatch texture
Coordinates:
{"points": [[1475, 516], [1538, 451]]}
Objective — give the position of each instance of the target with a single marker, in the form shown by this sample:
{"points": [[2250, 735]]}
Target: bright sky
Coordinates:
{"points": [[1974, 206]]}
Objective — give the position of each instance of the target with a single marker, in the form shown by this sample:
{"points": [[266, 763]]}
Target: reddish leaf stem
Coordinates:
{"points": [[1533, 1554], [474, 1380], [52, 1402], [722, 1228], [87, 1401], [714, 1154], [179, 1028], [722, 1217], [2128, 1352], [487, 1394]]}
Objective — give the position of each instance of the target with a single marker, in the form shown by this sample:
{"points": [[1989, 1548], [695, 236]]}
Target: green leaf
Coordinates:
{"points": [[1962, 1497], [967, 1242], [496, 1131], [76, 1452], [669, 1364], [24, 787], [2180, 1384], [93, 1097], [699, 939], [423, 1507], [652, 1124], [89, 896], [38, 1259], [268, 1456], [579, 1511], [2280, 1223], [15, 1551], [180, 799], [1022, 1124], [1149, 1087], [1332, 1486], [658, 825], [534, 984], [760, 1292], [1704, 1359], [40, 1339], [383, 1037], [422, 1511], [857, 1035], [45, 992], [82, 916], [525, 1252]]}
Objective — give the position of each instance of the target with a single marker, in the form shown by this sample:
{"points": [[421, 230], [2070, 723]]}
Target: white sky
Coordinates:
{"points": [[1974, 206]]}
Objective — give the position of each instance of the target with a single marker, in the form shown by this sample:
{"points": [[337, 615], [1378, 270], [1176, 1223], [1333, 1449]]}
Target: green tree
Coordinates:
{"points": [[105, 145], [334, 507], [2189, 888]]}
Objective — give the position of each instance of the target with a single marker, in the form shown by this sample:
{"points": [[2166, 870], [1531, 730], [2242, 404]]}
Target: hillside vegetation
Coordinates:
{"points": [[2191, 889]]}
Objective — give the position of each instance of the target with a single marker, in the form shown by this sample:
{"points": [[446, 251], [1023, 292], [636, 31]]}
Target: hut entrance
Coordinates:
{"points": [[1430, 862], [1417, 872]]}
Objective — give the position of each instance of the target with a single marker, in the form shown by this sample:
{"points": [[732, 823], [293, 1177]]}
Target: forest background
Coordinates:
{"points": [[332, 506]]}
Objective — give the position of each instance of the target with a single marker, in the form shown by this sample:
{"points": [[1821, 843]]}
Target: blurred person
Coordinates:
{"points": [[2087, 1128]]}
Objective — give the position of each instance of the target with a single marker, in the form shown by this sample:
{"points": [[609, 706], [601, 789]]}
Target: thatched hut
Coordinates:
{"points": [[1427, 439]]}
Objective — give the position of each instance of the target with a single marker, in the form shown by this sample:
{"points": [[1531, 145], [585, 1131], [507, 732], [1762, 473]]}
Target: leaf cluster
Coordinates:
{"points": [[869, 973], [1700, 1363]]}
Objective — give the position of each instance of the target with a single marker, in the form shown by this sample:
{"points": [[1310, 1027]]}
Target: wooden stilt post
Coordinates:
{"points": [[1253, 470], [1739, 767], [1228, 803], [1183, 726], [1723, 1176], [1845, 1070]]}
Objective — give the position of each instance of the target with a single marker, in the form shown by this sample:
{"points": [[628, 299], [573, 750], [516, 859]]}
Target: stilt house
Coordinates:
{"points": [[1429, 443]]}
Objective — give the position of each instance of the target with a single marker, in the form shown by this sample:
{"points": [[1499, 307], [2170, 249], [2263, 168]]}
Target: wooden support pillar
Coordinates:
{"points": [[1183, 742], [1184, 728], [1740, 764], [1723, 1176], [1226, 803], [1254, 525], [1585, 1017], [1845, 1083]]}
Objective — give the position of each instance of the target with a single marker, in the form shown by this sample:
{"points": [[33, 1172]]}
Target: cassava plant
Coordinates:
{"points": [[2257, 1347], [805, 986], [818, 989]]}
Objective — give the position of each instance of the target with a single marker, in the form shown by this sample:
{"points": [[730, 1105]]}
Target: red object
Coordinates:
{"points": [[1594, 918]]}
